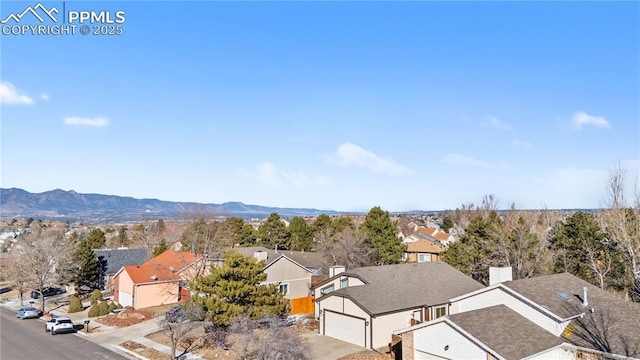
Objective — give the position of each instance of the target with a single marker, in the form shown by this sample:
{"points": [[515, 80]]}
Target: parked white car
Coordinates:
{"points": [[59, 325]]}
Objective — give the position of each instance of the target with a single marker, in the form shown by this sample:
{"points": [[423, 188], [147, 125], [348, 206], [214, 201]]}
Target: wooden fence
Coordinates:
{"points": [[302, 305]]}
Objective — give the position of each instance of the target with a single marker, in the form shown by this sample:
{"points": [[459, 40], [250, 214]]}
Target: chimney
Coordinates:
{"points": [[335, 270], [260, 255], [584, 296], [499, 274]]}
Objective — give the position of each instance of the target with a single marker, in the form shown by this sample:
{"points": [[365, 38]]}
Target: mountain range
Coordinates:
{"points": [[72, 206]]}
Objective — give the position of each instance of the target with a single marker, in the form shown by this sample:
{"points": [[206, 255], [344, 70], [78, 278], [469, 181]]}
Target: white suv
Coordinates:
{"points": [[59, 325]]}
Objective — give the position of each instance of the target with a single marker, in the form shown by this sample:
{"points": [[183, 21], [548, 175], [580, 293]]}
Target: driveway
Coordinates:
{"points": [[328, 348]]}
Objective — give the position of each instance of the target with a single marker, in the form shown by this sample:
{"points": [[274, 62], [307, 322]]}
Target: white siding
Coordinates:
{"points": [[430, 341], [125, 299], [385, 325], [340, 305], [555, 354], [498, 296]]}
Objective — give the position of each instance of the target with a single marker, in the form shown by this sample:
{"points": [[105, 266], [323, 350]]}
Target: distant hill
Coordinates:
{"points": [[73, 206]]}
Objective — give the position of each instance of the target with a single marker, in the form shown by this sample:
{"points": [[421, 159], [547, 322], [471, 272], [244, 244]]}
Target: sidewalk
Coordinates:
{"points": [[106, 336]]}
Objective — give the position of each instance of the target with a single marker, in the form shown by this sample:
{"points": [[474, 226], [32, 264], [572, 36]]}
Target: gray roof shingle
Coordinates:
{"points": [[112, 260], [503, 330], [613, 326], [392, 288]]}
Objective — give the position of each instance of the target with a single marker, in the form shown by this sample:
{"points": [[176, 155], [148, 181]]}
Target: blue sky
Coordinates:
{"points": [[329, 105]]}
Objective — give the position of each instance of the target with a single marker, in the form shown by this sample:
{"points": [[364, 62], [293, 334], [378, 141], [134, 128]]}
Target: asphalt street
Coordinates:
{"points": [[26, 339]]}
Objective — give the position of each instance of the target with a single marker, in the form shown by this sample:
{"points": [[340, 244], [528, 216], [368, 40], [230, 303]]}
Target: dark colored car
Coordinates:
{"points": [[174, 314], [48, 291]]}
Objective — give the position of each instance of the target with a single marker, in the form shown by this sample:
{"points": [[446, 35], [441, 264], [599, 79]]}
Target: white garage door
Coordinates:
{"points": [[125, 299], [345, 328]]}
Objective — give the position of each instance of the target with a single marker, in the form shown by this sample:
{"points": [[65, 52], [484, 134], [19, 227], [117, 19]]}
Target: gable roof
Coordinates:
{"points": [[391, 288], [112, 260], [509, 334], [306, 259], [424, 246], [165, 267], [612, 326]]}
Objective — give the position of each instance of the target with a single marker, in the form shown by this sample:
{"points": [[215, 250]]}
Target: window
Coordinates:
{"points": [[441, 311], [284, 288], [327, 289], [405, 256], [344, 283], [424, 257]]}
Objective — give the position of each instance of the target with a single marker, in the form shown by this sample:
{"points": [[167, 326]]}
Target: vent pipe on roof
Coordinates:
{"points": [[584, 296], [154, 278]]}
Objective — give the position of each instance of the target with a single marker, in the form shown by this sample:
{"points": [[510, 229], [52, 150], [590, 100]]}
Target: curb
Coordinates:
{"points": [[132, 353]]}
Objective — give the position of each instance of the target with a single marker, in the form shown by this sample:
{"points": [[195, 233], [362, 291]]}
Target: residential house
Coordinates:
{"points": [[422, 250], [292, 271], [112, 260], [364, 306], [161, 280], [547, 317]]}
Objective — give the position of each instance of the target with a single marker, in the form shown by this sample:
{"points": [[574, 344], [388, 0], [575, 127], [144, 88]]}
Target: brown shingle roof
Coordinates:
{"points": [[391, 288], [424, 246], [304, 258], [506, 332]]}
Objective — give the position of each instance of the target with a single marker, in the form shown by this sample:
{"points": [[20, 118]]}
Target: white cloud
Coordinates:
{"points": [[269, 174], [494, 122], [350, 154], [457, 159], [97, 122], [10, 95], [522, 144], [581, 118], [45, 97]]}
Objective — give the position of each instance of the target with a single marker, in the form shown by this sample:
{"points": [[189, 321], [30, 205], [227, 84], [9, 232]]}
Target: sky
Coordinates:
{"points": [[332, 105]]}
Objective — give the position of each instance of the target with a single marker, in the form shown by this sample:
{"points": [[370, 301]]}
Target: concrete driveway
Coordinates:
{"points": [[327, 348]]}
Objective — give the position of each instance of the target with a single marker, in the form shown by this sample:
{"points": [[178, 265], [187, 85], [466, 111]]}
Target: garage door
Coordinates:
{"points": [[346, 328], [125, 299]]}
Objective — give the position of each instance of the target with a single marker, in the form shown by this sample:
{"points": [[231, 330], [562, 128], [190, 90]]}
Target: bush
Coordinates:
{"points": [[94, 311], [103, 308], [96, 296], [75, 305], [112, 306]]}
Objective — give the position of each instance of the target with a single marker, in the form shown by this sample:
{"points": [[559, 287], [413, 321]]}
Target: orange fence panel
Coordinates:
{"points": [[302, 305]]}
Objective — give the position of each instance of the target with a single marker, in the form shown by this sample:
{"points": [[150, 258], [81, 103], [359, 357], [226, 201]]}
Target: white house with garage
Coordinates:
{"points": [[364, 306], [556, 317]]}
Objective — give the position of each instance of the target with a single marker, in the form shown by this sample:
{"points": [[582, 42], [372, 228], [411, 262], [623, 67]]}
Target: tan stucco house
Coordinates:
{"points": [[161, 280], [422, 250]]}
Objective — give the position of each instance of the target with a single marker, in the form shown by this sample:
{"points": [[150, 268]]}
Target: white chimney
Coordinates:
{"points": [[584, 296], [260, 255], [499, 274], [335, 270]]}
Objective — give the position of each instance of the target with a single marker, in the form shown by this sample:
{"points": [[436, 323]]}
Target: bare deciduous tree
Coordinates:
{"points": [[180, 330], [41, 256], [621, 222], [348, 247]]}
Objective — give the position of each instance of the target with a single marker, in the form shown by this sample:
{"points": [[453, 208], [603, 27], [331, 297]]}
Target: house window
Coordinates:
{"points": [[405, 256], [424, 257], [440, 311], [327, 289], [344, 283], [284, 288]]}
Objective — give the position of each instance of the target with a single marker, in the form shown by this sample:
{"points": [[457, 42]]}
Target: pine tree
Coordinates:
{"points": [[273, 232], [301, 234], [236, 289], [89, 269], [160, 248], [382, 236], [96, 239]]}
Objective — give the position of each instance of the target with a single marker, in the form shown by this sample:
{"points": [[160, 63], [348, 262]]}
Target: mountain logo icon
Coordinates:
{"points": [[35, 11]]}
